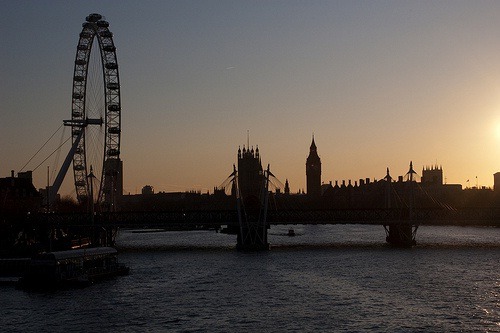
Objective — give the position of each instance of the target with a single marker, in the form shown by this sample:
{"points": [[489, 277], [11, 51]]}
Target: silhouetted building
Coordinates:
{"points": [[18, 195], [496, 182], [387, 193], [287, 187], [147, 190], [113, 187], [313, 172], [432, 175], [250, 174]]}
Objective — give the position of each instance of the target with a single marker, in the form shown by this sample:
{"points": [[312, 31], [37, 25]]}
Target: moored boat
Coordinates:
{"points": [[72, 268]]}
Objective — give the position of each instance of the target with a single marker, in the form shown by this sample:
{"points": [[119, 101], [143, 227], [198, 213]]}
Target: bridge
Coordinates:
{"points": [[216, 219], [228, 220]]}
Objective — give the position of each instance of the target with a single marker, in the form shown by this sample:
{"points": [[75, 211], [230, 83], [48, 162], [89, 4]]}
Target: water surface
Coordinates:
{"points": [[327, 278]]}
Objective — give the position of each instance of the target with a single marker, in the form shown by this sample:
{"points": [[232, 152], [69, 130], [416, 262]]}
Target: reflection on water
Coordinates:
{"points": [[310, 236], [326, 278]]}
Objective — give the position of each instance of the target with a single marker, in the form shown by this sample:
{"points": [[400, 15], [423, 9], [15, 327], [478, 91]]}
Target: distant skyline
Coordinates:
{"points": [[379, 83]]}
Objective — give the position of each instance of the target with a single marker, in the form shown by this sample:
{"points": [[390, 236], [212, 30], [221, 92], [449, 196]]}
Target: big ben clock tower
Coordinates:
{"points": [[313, 172]]}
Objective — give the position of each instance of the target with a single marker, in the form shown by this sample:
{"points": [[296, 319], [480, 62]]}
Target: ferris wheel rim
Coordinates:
{"points": [[95, 28]]}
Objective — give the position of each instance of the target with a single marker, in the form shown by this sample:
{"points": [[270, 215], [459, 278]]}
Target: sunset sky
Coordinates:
{"points": [[379, 83]]}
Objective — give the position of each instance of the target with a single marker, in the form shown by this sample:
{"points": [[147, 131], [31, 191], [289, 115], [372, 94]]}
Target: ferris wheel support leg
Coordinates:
{"points": [[64, 169]]}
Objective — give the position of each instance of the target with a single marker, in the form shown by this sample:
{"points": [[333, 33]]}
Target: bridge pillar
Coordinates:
{"points": [[252, 231], [106, 236], [252, 238], [401, 235], [252, 201]]}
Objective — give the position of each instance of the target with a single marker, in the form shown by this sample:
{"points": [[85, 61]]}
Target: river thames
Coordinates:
{"points": [[340, 278]]}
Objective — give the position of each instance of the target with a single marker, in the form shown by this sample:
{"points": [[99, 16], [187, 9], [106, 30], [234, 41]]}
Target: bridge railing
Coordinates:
{"points": [[207, 219], [470, 216]]}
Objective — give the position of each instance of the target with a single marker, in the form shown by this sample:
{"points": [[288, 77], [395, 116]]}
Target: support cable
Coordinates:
{"points": [[52, 153], [41, 149]]}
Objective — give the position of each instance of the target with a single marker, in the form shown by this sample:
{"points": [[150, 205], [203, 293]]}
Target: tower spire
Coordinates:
{"points": [[388, 176], [411, 172], [313, 172], [313, 144]]}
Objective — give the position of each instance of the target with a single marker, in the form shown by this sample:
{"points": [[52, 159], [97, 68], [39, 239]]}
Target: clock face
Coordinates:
{"points": [[312, 165]]}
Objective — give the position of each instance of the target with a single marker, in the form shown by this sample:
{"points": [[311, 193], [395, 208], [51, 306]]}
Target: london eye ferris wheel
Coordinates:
{"points": [[96, 114]]}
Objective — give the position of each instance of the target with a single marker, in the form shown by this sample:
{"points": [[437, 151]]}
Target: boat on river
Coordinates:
{"points": [[72, 268]]}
